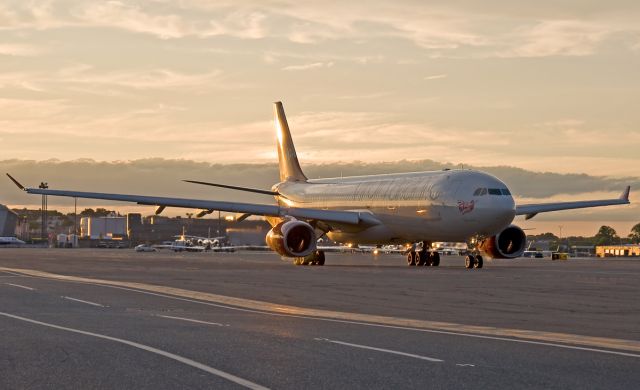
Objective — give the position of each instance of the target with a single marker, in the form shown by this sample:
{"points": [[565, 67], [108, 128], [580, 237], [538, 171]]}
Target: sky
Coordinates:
{"points": [[547, 86]]}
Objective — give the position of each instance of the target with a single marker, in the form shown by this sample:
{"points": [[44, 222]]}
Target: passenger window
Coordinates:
{"points": [[494, 191], [505, 192]]}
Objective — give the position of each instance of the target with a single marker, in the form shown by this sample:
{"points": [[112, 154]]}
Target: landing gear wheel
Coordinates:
{"points": [[435, 259], [421, 258], [427, 262], [479, 262], [320, 258], [411, 258], [469, 261]]}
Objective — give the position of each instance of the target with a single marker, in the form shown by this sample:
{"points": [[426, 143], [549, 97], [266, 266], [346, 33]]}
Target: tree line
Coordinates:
{"points": [[606, 235]]}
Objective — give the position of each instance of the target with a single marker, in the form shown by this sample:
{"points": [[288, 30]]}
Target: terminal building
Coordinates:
{"points": [[618, 251], [8, 222]]}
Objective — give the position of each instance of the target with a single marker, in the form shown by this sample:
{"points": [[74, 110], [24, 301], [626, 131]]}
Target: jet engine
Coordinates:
{"points": [[508, 244], [292, 238]]}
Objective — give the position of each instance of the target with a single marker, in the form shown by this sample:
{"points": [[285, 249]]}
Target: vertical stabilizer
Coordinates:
{"points": [[287, 158]]}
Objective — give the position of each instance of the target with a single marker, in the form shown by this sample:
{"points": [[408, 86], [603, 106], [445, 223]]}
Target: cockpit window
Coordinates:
{"points": [[480, 192], [505, 192], [495, 191]]}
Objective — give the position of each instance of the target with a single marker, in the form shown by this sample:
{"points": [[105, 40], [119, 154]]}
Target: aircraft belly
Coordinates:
{"points": [[442, 223]]}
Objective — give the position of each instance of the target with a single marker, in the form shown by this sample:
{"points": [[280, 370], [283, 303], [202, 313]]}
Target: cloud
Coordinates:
{"points": [[436, 76], [143, 79], [558, 38], [19, 50], [443, 29], [313, 65]]}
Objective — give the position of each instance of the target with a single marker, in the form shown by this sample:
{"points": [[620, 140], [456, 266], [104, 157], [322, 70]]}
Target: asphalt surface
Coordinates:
{"points": [[66, 334]]}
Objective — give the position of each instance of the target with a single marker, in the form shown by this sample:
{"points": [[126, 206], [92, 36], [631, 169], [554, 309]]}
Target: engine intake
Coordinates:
{"points": [[292, 238], [508, 244]]}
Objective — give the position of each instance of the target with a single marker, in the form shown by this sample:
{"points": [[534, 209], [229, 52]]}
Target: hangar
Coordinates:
{"points": [[8, 222]]}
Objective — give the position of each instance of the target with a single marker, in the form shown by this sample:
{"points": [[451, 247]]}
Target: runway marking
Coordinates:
{"points": [[81, 301], [465, 365], [192, 320], [550, 339], [15, 274], [187, 361], [21, 286], [430, 359]]}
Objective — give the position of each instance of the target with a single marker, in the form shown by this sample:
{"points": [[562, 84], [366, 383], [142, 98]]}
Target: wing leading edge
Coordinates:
{"points": [[330, 216], [531, 210]]}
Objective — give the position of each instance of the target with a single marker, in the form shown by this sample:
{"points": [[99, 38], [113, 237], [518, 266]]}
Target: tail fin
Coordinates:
{"points": [[287, 158]]}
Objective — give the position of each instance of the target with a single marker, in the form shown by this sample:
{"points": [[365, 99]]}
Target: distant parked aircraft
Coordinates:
{"points": [[402, 208], [11, 241]]}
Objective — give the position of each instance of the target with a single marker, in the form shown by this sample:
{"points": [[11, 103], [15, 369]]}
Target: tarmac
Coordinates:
{"points": [[109, 318]]}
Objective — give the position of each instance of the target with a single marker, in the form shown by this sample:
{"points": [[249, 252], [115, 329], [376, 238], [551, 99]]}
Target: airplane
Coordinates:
{"points": [[451, 205], [11, 241], [180, 245]]}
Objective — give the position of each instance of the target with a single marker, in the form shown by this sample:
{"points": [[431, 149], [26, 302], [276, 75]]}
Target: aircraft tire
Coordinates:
{"points": [[478, 262], [411, 258], [421, 258], [435, 259], [469, 261]]}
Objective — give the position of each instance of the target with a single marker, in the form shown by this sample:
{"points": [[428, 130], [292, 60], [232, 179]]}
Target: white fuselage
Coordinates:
{"points": [[430, 206]]}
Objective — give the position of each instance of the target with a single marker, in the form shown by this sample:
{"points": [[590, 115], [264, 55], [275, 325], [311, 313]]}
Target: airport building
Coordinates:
{"points": [[103, 227], [8, 222], [618, 251]]}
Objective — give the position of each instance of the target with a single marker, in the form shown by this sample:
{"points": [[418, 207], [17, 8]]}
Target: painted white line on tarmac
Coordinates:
{"points": [[430, 359], [81, 301], [187, 361], [192, 320], [355, 322], [478, 336], [21, 286]]}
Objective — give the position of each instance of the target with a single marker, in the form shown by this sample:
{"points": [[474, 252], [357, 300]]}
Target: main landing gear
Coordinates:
{"points": [[473, 261], [315, 258], [423, 257]]}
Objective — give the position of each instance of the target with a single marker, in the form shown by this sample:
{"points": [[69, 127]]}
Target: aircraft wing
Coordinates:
{"points": [[330, 216], [531, 210]]}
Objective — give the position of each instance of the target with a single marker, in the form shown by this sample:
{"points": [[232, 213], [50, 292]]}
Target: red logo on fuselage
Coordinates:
{"points": [[466, 207]]}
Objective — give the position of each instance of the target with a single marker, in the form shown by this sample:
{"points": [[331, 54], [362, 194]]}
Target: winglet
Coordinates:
{"points": [[625, 194], [16, 182]]}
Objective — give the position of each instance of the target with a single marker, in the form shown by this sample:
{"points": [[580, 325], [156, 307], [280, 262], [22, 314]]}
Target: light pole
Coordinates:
{"points": [[43, 233]]}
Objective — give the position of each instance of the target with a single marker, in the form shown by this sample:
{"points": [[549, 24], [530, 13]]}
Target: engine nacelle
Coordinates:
{"points": [[292, 238], [508, 244]]}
